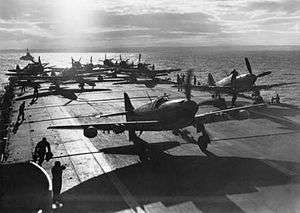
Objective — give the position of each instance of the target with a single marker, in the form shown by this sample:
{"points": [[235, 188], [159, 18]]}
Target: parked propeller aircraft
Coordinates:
{"points": [[160, 115], [32, 69], [140, 70], [145, 70], [236, 83], [63, 91], [109, 63], [150, 83]]}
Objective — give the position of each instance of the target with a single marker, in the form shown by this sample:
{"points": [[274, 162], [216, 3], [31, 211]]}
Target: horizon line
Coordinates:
{"points": [[97, 49]]}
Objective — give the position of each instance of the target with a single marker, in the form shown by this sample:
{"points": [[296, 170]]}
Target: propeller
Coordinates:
{"points": [[248, 65], [263, 74], [187, 85], [250, 70]]}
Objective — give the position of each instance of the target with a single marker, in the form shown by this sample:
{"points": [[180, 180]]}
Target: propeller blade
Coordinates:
{"points": [[91, 59], [248, 65], [40, 60], [187, 86], [79, 59], [264, 73], [140, 55]]}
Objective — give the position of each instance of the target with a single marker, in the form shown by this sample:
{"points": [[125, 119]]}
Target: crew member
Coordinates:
{"points": [[35, 92], [81, 86], [21, 111], [277, 99], [40, 151], [57, 170], [233, 85], [195, 80]]}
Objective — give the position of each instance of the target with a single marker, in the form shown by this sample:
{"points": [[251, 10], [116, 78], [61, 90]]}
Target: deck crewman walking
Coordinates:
{"points": [[57, 170], [40, 151]]}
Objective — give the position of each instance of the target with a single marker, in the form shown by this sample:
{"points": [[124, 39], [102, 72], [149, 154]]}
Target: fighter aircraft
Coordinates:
{"points": [[160, 115], [150, 83], [32, 69], [140, 70], [236, 83], [27, 57], [63, 91], [109, 63], [144, 70]]}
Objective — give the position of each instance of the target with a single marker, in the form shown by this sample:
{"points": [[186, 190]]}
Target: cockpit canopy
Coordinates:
{"points": [[159, 101]]}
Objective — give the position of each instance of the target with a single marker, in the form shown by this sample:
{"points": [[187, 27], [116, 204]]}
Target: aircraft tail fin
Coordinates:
{"points": [[129, 110], [128, 106], [211, 80]]}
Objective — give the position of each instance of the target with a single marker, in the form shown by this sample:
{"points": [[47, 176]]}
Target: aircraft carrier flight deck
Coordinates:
{"points": [[251, 165]]}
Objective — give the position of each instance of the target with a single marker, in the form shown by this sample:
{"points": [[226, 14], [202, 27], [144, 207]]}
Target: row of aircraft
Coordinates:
{"points": [[84, 74], [162, 114]]}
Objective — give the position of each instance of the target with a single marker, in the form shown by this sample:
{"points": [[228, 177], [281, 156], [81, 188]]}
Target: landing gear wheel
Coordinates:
{"points": [[144, 152]]}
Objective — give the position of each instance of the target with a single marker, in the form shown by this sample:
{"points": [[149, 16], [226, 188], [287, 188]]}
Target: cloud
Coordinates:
{"points": [[38, 24], [286, 6], [191, 22]]}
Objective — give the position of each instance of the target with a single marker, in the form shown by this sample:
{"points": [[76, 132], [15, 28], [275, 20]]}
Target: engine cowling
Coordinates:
{"points": [[90, 132], [243, 114]]}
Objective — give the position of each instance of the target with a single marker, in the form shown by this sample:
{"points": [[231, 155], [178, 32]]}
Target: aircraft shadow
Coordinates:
{"points": [[171, 180], [277, 114], [132, 149], [44, 94]]}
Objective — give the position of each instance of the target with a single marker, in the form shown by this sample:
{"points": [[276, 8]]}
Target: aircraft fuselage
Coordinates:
{"points": [[244, 82], [173, 114]]}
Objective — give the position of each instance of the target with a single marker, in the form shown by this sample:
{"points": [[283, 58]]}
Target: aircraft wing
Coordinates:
{"points": [[220, 89], [269, 86], [129, 125], [213, 116], [165, 70]]}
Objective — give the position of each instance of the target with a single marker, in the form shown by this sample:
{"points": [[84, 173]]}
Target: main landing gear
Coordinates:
{"points": [[219, 102], [204, 139]]}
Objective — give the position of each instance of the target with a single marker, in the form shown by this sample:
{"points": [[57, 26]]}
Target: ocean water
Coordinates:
{"points": [[284, 65]]}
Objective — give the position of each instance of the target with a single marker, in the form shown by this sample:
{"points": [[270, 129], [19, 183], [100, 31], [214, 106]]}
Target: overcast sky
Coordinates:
{"points": [[118, 23]]}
